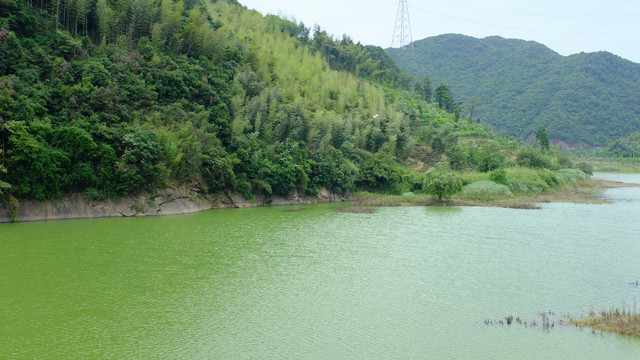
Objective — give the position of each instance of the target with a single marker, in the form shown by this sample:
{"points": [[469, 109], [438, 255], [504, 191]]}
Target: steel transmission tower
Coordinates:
{"points": [[402, 33]]}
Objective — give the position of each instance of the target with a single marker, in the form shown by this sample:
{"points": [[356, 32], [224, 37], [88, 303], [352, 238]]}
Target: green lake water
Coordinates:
{"points": [[309, 282]]}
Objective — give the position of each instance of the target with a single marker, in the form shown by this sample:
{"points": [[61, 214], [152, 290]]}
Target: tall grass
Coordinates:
{"points": [[473, 176], [485, 189], [625, 321], [526, 181], [539, 181]]}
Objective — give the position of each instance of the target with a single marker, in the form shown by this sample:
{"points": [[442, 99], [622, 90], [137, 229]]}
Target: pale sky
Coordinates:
{"points": [[566, 26]]}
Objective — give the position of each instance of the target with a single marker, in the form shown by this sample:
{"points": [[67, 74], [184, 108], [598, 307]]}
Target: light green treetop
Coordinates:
{"points": [[442, 182]]}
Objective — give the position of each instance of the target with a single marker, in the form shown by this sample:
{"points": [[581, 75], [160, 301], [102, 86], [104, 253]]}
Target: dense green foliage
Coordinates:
{"points": [[442, 182], [519, 85], [111, 97], [625, 147], [115, 97], [542, 138], [112, 119]]}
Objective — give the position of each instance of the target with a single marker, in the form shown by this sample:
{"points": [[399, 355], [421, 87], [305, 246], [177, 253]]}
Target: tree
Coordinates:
{"points": [[82, 16], [380, 172], [441, 181], [37, 169], [139, 165], [330, 170], [140, 18], [443, 97], [424, 88], [471, 105], [437, 145], [457, 154], [490, 157], [542, 138], [105, 15]]}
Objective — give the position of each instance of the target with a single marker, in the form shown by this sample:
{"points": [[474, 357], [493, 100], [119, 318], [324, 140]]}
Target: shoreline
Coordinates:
{"points": [[165, 202], [588, 192], [186, 201]]}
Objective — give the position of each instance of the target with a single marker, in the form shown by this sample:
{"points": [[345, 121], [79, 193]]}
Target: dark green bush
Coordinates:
{"points": [[499, 177], [532, 158], [585, 168]]}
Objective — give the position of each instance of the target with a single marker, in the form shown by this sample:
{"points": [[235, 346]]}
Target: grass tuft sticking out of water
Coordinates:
{"points": [[545, 321]]}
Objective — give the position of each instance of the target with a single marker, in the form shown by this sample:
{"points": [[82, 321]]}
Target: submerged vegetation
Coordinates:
{"points": [[624, 321], [543, 320]]}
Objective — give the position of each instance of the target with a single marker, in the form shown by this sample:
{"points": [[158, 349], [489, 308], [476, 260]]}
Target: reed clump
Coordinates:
{"points": [[624, 320]]}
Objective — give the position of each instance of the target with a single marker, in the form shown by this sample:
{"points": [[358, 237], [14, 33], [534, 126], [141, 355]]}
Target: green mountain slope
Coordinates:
{"points": [[113, 97], [589, 98]]}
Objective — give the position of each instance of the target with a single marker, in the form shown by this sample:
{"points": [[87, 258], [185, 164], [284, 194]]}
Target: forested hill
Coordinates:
{"points": [[591, 98], [113, 97]]}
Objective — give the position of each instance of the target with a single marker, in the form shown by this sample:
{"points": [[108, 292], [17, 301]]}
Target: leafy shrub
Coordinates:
{"points": [[94, 194], [244, 187], [139, 166], [486, 190], [564, 161], [14, 208], [411, 181], [585, 168], [490, 157], [499, 177], [532, 158]]}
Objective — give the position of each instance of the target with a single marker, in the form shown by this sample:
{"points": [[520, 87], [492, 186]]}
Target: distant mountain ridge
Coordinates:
{"points": [[586, 98]]}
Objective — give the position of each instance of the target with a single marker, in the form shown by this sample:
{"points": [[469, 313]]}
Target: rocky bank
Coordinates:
{"points": [[165, 202]]}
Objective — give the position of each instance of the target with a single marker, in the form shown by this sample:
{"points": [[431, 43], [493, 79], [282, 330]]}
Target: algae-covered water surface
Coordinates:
{"points": [[312, 282]]}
